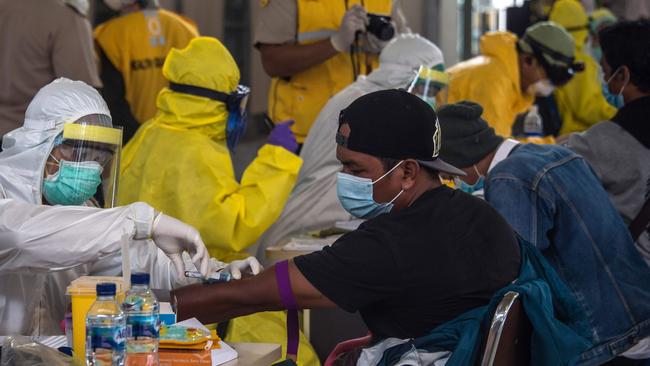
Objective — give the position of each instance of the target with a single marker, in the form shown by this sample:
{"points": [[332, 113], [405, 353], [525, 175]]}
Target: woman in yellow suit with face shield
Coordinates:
{"points": [[179, 162]]}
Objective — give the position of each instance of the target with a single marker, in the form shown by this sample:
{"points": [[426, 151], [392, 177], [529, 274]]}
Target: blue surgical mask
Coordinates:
{"points": [[356, 195], [74, 183], [614, 99], [471, 188]]}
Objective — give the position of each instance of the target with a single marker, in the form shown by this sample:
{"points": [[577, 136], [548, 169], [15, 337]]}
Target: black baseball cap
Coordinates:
{"points": [[394, 124]]}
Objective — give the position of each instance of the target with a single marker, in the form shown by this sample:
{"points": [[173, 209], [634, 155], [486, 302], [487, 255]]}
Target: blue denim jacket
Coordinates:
{"points": [[553, 199]]}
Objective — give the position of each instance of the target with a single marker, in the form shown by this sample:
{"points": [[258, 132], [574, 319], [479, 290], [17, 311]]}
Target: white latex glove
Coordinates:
{"points": [[174, 237], [354, 20], [250, 264]]}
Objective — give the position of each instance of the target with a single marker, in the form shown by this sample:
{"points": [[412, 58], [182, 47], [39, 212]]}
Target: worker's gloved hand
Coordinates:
{"points": [[354, 20], [249, 265], [373, 44], [281, 135], [174, 237]]}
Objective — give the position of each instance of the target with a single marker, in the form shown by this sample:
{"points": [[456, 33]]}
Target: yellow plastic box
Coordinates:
{"points": [[83, 292]]}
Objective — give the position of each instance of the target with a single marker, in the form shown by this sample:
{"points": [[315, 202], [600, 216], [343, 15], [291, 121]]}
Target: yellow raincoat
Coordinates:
{"points": [[580, 102], [178, 162], [492, 80]]}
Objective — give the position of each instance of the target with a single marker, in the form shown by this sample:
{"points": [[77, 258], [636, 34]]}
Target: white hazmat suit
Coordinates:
{"points": [[43, 248], [313, 204]]}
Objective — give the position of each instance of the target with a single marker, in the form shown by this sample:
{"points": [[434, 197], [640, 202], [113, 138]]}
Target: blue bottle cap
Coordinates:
{"points": [[140, 278], [106, 289]]}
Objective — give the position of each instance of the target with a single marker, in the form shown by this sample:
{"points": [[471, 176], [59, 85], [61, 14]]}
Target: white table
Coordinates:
{"points": [[253, 354]]}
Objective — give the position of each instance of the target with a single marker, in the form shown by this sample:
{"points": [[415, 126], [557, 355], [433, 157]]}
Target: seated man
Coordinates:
{"points": [[313, 203], [551, 197], [49, 169], [619, 152], [427, 253]]}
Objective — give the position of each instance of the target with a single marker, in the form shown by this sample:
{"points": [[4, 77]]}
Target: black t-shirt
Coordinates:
{"points": [[410, 271]]}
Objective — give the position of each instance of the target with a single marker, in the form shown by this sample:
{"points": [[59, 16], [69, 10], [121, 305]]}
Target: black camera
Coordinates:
{"points": [[380, 26]]}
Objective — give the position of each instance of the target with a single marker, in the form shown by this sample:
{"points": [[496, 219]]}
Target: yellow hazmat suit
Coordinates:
{"points": [[492, 80], [580, 102], [178, 162]]}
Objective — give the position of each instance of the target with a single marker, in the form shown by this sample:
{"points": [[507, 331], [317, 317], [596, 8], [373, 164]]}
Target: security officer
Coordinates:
{"points": [[313, 49], [132, 48]]}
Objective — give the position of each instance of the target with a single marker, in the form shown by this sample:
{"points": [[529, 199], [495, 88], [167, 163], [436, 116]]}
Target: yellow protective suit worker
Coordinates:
{"points": [[580, 102], [179, 163], [492, 80]]}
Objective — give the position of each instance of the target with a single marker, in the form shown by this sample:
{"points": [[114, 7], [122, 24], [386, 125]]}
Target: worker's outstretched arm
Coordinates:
{"points": [[241, 212], [48, 238]]}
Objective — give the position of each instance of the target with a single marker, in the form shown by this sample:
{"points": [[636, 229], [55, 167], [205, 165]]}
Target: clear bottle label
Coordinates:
{"points": [[143, 326], [106, 337]]}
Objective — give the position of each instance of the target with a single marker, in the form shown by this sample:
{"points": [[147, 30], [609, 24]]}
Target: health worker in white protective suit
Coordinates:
{"points": [[53, 171], [313, 204]]}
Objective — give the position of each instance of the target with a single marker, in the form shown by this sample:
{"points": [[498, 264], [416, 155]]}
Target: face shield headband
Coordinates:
{"points": [[235, 105]]}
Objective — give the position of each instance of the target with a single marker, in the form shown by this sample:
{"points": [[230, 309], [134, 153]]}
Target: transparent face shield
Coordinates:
{"points": [[84, 163], [430, 84]]}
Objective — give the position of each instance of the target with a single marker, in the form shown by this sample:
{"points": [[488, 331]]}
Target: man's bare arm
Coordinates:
{"points": [[289, 59], [218, 302]]}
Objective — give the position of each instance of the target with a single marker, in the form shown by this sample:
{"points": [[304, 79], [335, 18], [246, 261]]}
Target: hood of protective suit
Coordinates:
{"points": [[502, 46], [401, 58], [206, 63], [26, 149], [572, 16]]}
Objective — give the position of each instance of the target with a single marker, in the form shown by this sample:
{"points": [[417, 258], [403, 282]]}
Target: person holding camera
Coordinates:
{"points": [[313, 49]]}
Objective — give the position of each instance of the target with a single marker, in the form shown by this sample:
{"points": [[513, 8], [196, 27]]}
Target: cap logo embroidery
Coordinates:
{"points": [[436, 140]]}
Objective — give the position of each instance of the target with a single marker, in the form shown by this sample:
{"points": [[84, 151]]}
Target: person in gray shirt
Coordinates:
{"points": [[619, 150], [41, 40]]}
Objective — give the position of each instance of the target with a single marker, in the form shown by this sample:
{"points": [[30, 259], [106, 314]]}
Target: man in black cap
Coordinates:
{"points": [[553, 199], [426, 254]]}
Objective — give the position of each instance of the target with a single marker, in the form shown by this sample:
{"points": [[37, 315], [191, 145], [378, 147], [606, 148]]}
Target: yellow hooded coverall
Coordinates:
{"points": [[178, 162], [492, 80], [580, 102]]}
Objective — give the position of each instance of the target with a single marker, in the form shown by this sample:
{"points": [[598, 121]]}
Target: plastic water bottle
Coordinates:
{"points": [[105, 329], [143, 321], [533, 124]]}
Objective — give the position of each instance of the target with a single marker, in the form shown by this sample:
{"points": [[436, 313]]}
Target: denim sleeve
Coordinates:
{"points": [[526, 211]]}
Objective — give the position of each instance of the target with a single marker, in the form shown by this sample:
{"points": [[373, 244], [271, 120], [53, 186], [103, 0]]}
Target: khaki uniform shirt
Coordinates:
{"points": [[40, 40]]}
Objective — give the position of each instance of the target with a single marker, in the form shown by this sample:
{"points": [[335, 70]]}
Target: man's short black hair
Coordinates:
{"points": [[627, 43]]}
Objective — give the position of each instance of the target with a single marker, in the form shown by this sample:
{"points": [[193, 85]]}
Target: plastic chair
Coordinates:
{"points": [[346, 346], [508, 339]]}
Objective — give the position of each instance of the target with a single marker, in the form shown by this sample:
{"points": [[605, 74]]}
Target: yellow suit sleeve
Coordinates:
{"points": [[240, 212], [493, 95], [583, 101]]}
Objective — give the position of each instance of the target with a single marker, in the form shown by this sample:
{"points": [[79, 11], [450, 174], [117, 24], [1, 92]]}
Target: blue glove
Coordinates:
{"points": [[281, 135]]}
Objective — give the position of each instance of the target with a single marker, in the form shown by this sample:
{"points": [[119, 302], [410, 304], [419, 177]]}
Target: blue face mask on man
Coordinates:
{"points": [[614, 99], [356, 195], [479, 185]]}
